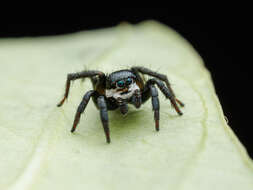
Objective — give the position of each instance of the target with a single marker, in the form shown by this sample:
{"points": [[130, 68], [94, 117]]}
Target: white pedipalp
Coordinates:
{"points": [[117, 94]]}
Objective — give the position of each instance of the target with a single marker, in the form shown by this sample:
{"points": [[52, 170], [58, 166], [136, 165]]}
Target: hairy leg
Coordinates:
{"points": [[166, 92], [155, 105], [104, 116], [81, 108], [162, 77], [74, 76]]}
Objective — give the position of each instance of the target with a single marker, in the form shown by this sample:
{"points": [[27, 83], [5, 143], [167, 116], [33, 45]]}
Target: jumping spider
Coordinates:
{"points": [[119, 89]]}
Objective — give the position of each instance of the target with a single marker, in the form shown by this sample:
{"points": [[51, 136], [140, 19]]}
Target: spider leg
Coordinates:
{"points": [[104, 116], [74, 76], [138, 76], [166, 92], [155, 105], [81, 108], [162, 77]]}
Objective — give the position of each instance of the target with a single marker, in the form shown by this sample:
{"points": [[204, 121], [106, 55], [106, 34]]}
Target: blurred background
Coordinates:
{"points": [[221, 37]]}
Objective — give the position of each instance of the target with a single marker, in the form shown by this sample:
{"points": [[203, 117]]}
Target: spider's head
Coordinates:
{"points": [[121, 84]]}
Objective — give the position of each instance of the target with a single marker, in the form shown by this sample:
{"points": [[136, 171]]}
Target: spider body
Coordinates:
{"points": [[120, 88]]}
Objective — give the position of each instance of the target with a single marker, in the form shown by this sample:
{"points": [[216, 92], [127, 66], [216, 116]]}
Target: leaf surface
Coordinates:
{"points": [[38, 152]]}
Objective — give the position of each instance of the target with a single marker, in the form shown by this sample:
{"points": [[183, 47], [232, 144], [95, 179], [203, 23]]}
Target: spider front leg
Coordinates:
{"points": [[162, 77], [166, 92], [104, 116], [81, 108], [74, 76], [155, 105]]}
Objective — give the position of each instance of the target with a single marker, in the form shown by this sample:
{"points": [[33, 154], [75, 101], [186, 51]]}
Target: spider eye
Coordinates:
{"points": [[120, 83], [129, 81]]}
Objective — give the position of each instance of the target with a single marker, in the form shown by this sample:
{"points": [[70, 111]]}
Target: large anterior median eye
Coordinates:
{"points": [[121, 83], [129, 81]]}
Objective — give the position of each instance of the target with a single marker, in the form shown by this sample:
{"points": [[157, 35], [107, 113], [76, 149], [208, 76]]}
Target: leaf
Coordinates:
{"points": [[38, 152]]}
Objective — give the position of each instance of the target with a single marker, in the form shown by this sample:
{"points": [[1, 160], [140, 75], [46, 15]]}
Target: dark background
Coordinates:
{"points": [[222, 38]]}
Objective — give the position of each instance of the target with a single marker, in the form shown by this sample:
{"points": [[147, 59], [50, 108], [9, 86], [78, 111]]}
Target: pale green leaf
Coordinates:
{"points": [[38, 152]]}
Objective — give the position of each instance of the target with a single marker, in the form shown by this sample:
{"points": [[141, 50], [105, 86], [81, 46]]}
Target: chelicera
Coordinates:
{"points": [[120, 88]]}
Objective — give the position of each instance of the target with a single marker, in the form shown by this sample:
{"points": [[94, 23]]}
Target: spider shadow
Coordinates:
{"points": [[135, 123], [121, 126]]}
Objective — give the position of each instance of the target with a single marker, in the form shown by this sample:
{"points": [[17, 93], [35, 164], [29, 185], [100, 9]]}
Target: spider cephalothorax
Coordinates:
{"points": [[119, 89], [121, 85]]}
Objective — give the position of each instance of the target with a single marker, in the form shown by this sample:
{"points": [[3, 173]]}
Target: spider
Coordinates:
{"points": [[120, 88]]}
